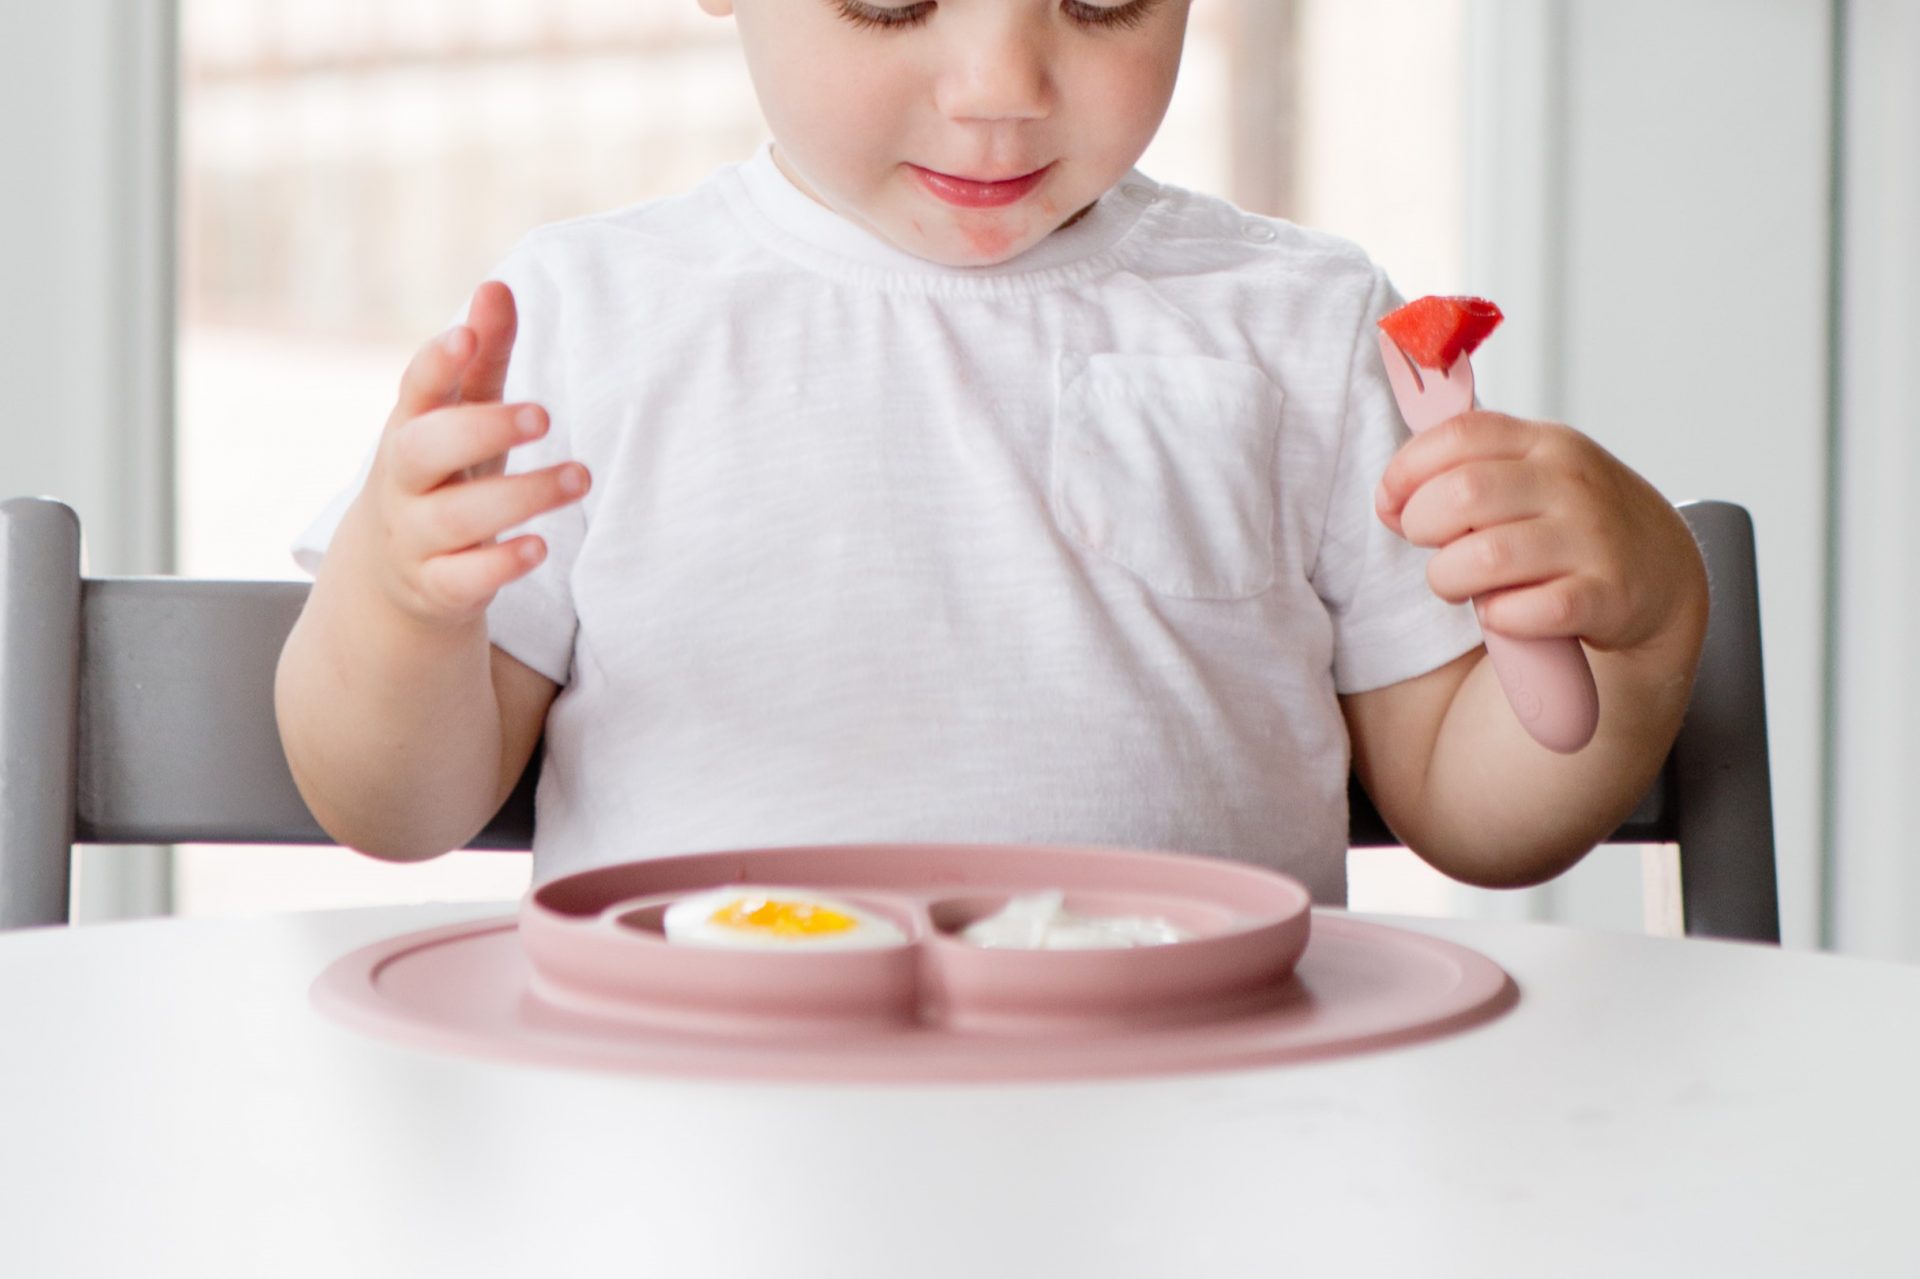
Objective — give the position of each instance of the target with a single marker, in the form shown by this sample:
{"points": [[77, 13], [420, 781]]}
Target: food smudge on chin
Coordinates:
{"points": [[990, 238]]}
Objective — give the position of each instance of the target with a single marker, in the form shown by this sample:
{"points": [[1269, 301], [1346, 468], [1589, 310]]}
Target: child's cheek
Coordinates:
{"points": [[1124, 104]]}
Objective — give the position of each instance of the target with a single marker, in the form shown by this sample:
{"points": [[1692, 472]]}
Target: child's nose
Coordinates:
{"points": [[1001, 72]]}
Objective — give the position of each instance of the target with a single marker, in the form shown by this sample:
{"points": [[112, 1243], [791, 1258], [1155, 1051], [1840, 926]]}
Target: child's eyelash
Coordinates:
{"points": [[1121, 17], [1117, 17], [868, 15]]}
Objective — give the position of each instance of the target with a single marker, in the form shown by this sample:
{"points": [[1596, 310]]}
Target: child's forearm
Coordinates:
{"points": [[404, 728], [1498, 810], [392, 728]]}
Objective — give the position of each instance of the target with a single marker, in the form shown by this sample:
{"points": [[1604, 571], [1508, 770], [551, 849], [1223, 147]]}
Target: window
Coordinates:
{"points": [[349, 170]]}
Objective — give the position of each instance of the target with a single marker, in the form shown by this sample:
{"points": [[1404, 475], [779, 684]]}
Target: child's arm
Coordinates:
{"points": [[404, 728], [1553, 537]]}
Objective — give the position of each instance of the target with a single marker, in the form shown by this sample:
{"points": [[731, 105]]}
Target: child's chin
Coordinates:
{"points": [[975, 250]]}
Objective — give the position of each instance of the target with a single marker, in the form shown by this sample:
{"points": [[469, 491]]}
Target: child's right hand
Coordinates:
{"points": [[438, 498]]}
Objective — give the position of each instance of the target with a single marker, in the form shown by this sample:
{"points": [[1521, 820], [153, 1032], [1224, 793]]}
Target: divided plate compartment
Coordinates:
{"points": [[596, 945], [583, 977]]}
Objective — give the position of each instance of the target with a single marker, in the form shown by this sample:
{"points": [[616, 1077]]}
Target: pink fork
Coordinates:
{"points": [[1547, 681]]}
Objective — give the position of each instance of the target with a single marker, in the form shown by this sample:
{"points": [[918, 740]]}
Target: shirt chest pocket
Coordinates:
{"points": [[1165, 466]]}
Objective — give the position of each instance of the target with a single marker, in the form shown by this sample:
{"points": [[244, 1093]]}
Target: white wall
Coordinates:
{"points": [[85, 373], [86, 111], [1367, 168], [1651, 205], [1876, 826]]}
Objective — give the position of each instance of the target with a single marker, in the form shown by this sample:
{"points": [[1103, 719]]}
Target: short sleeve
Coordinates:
{"points": [[1388, 624], [532, 618]]}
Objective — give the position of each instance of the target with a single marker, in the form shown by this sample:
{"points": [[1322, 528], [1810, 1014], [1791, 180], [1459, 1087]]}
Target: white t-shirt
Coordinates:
{"points": [[1075, 549]]}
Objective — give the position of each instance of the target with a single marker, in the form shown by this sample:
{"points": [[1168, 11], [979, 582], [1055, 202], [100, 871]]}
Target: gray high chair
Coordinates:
{"points": [[140, 711]]}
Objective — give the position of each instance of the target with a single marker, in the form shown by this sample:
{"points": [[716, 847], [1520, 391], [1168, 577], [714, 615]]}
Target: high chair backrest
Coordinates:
{"points": [[140, 711]]}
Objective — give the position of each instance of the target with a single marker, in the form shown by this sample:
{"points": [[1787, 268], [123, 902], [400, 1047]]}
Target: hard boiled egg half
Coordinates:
{"points": [[756, 918]]}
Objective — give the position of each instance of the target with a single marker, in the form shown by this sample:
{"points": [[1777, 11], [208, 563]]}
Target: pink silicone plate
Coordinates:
{"points": [[585, 978]]}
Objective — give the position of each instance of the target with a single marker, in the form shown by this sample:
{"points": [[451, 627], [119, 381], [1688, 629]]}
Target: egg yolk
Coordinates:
{"points": [[781, 918]]}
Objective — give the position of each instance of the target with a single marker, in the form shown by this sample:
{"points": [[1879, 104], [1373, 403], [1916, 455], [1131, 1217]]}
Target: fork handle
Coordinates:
{"points": [[1550, 687]]}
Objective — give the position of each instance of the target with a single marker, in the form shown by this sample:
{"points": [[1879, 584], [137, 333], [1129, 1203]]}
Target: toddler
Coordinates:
{"points": [[935, 475]]}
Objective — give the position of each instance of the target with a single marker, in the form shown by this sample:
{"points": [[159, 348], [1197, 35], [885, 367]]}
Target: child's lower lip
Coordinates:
{"points": [[971, 193]]}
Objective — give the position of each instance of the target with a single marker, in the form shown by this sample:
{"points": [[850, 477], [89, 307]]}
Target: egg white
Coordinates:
{"points": [[689, 921], [1040, 921]]}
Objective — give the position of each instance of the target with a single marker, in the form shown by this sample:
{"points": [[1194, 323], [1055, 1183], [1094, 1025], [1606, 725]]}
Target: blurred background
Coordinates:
{"points": [[230, 222]]}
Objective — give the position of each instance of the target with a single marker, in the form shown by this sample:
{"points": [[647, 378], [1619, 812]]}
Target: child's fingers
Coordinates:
{"points": [[494, 320], [1566, 607], [1544, 578], [1473, 495], [431, 448], [433, 375], [464, 515], [468, 362], [1503, 557], [466, 581], [1470, 437]]}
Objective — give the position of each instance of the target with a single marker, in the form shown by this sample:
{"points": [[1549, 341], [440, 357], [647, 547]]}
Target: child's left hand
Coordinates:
{"points": [[1548, 533]]}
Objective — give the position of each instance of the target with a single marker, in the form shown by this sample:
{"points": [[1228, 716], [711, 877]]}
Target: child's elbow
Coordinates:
{"points": [[1483, 866]]}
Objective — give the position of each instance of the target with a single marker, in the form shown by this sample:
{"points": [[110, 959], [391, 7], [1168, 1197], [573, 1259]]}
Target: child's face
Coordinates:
{"points": [[963, 131]]}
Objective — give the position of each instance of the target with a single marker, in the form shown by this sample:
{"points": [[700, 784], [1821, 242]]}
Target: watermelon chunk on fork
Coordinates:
{"points": [[1436, 331]]}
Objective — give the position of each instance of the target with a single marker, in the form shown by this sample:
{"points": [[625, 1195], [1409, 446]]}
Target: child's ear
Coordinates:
{"points": [[718, 8]]}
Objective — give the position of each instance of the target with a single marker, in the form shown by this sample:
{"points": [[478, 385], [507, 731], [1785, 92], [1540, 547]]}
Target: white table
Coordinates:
{"points": [[170, 1104]]}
